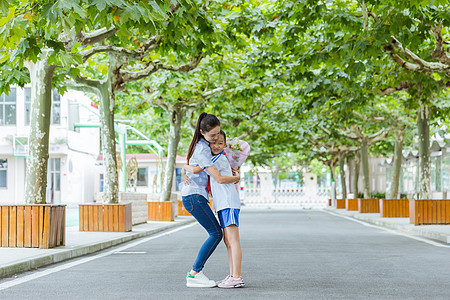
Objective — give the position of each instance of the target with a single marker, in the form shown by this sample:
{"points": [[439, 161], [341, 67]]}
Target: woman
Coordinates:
{"points": [[195, 195]]}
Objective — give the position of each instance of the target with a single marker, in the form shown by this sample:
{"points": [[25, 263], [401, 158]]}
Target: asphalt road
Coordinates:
{"points": [[286, 255]]}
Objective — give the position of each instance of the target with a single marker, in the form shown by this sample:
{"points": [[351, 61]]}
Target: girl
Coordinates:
{"points": [[227, 204], [195, 196]]}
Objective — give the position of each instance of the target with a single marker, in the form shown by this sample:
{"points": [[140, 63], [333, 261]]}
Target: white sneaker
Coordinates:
{"points": [[199, 280]]}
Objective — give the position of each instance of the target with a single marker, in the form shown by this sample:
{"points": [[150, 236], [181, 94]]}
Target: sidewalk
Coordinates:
{"points": [[435, 232], [17, 260]]}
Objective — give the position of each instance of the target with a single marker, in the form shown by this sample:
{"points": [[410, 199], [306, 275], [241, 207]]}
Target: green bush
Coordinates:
{"points": [[373, 195], [378, 195]]}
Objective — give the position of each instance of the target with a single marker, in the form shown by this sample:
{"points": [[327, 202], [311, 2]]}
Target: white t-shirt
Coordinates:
{"points": [[202, 157], [224, 195]]}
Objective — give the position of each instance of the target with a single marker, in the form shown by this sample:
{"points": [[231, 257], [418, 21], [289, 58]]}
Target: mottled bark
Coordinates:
{"points": [[356, 173], [176, 117], [365, 166], [423, 126], [41, 95], [399, 136], [342, 156], [333, 176], [107, 108]]}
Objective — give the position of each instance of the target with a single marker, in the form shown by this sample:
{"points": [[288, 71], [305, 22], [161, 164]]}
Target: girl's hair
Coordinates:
{"points": [[224, 135], [205, 122]]}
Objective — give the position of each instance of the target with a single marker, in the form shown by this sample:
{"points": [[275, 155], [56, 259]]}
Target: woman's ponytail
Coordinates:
{"points": [[205, 122]]}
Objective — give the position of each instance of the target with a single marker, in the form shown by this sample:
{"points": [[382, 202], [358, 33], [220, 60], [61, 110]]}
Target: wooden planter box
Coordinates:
{"points": [[161, 211], [394, 208], [340, 203], [369, 206], [183, 212], [33, 225], [138, 206], [351, 204], [105, 217], [429, 211]]}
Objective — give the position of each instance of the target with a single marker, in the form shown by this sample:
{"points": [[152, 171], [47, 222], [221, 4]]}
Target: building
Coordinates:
{"points": [[377, 177], [74, 169], [72, 154], [147, 173], [409, 176]]}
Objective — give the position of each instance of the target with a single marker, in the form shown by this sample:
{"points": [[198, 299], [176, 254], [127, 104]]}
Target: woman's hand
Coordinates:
{"points": [[186, 180]]}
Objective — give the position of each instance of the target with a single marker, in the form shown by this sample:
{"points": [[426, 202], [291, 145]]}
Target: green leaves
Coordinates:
{"points": [[4, 6]]}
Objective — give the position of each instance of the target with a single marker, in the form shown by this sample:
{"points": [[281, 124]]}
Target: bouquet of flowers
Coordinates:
{"points": [[237, 152]]}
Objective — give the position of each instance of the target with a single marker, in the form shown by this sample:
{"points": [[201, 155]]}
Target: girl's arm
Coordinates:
{"points": [[222, 179], [193, 169]]}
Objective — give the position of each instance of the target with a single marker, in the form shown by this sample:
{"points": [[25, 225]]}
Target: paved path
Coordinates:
{"points": [[287, 255]]}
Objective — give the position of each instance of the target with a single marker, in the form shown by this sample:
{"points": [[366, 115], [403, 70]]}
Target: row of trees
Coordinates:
{"points": [[326, 80], [367, 77]]}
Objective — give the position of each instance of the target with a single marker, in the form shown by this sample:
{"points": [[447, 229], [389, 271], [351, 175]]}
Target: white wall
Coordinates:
{"points": [[81, 149]]}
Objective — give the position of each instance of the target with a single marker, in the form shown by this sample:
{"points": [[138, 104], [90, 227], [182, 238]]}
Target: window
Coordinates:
{"points": [[27, 106], [8, 108], [54, 170], [74, 115], [178, 178], [436, 174], [142, 177], [3, 173], [446, 173], [55, 116], [56, 108], [102, 182]]}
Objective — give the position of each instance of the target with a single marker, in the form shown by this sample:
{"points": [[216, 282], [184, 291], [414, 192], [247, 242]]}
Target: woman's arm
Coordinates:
{"points": [[222, 179], [193, 169]]}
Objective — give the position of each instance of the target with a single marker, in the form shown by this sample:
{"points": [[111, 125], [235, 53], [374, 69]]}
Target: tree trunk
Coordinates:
{"points": [[176, 119], [356, 173], [342, 173], [399, 136], [275, 178], [107, 108], [365, 166], [41, 96], [333, 176], [423, 125]]}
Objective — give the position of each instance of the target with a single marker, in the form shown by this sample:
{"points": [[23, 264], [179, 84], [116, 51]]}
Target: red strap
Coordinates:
{"points": [[208, 185]]}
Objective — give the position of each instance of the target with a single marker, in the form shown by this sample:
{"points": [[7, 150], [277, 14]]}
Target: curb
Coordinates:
{"points": [[48, 259], [409, 229]]}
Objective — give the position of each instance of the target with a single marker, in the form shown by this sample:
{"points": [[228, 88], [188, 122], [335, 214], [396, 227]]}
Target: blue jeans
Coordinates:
{"points": [[197, 206]]}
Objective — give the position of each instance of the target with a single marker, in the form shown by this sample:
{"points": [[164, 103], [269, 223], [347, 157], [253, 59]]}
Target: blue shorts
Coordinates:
{"points": [[228, 216]]}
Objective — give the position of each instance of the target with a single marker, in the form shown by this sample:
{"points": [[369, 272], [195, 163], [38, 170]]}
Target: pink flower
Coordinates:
{"points": [[237, 152]]}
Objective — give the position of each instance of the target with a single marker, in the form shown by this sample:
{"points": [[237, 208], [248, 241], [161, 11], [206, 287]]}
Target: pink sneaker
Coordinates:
{"points": [[232, 283], [225, 279]]}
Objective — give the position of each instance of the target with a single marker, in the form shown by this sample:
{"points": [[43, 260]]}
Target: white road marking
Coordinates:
{"points": [[66, 266], [130, 252], [436, 244]]}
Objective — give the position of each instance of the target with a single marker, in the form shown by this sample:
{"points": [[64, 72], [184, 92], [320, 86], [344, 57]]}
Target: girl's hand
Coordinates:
{"points": [[237, 174]]}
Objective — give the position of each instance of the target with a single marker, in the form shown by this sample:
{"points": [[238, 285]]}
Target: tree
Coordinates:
{"points": [[178, 94], [362, 40], [177, 42], [33, 36]]}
